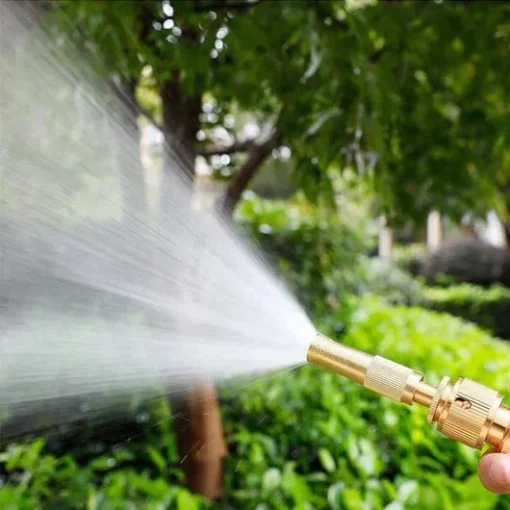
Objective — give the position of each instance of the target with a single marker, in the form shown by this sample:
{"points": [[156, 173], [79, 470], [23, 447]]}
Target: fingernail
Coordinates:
{"points": [[499, 473]]}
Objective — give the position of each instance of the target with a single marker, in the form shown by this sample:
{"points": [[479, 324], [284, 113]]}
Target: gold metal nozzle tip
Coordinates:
{"points": [[465, 410]]}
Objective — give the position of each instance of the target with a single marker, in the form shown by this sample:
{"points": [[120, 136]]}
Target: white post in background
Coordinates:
{"points": [[434, 231], [386, 236], [493, 231]]}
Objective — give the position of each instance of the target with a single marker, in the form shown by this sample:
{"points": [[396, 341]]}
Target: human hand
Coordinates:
{"points": [[494, 471]]}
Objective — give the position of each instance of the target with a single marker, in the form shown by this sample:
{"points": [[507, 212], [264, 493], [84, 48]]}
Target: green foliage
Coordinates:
{"points": [[352, 449], [489, 308], [420, 113], [316, 252], [274, 180], [38, 480], [409, 258], [388, 281]]}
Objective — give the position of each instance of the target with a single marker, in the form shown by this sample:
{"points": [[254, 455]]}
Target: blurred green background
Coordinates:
{"points": [[315, 120]]}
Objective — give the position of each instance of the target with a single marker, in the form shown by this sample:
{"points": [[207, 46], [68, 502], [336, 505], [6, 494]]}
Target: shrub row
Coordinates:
{"points": [[489, 308], [410, 258]]}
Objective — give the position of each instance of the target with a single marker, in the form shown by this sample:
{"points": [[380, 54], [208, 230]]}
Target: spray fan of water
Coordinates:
{"points": [[99, 293]]}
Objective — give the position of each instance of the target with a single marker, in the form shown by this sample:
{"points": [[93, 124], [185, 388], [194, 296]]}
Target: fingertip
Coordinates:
{"points": [[494, 471]]}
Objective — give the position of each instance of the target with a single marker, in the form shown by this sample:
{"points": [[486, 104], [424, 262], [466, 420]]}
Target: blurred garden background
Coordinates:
{"points": [[364, 146]]}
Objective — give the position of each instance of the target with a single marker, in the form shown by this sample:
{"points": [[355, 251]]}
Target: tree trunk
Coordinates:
{"points": [[197, 420], [180, 126], [200, 440]]}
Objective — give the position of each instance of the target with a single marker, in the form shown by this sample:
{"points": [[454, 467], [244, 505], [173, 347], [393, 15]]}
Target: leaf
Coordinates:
{"points": [[476, 497], [368, 458], [394, 505], [334, 495], [295, 485], [327, 460], [406, 490], [186, 501], [157, 458], [321, 120], [315, 57], [272, 479], [352, 499]]}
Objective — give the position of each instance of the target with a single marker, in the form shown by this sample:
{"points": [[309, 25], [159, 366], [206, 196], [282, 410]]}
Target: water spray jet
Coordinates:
{"points": [[463, 410]]}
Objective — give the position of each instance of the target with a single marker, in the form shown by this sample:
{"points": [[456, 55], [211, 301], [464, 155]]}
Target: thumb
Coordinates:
{"points": [[494, 471]]}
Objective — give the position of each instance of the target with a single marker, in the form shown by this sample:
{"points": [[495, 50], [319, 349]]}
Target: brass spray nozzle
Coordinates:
{"points": [[463, 410]]}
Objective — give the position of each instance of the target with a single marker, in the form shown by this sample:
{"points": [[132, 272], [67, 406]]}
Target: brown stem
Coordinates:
{"points": [[257, 155], [200, 441]]}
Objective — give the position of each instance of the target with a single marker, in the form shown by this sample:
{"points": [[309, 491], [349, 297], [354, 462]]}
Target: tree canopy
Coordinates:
{"points": [[411, 95]]}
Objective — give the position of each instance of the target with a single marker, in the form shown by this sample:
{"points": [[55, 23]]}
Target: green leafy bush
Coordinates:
{"points": [[312, 439], [410, 257], [316, 252], [35, 479], [489, 308], [385, 279], [306, 439]]}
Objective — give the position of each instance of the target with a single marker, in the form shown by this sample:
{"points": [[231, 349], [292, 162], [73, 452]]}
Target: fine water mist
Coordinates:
{"points": [[100, 292]]}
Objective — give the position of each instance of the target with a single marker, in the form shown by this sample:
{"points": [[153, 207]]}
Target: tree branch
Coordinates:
{"points": [[224, 5], [257, 155], [218, 150]]}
